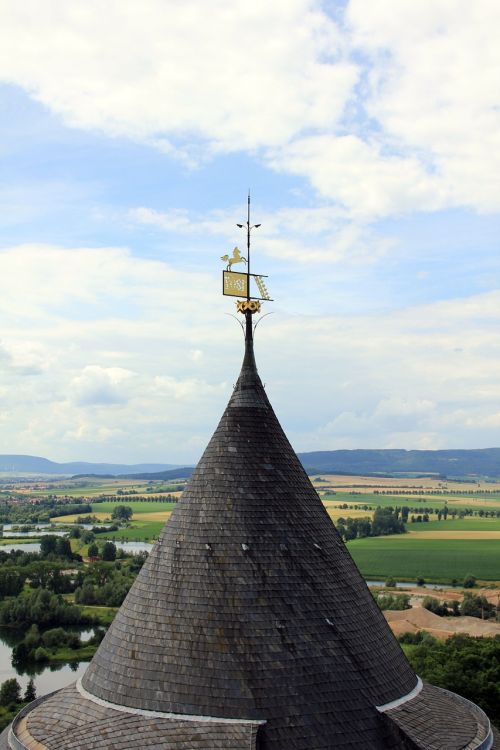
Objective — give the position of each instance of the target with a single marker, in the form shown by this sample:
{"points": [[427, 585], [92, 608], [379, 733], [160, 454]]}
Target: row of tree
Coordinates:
{"points": [[40, 607]]}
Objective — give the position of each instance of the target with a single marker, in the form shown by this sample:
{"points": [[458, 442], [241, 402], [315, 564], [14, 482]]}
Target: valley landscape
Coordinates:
{"points": [[452, 528], [437, 579]]}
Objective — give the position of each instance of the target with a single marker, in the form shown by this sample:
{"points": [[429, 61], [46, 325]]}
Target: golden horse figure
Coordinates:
{"points": [[236, 257]]}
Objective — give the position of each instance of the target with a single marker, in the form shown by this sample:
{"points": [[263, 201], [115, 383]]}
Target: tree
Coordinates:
{"points": [[435, 606], [393, 601], [93, 550], [30, 692], [10, 692], [41, 654], [465, 665], [390, 583], [48, 544], [469, 581], [109, 552], [122, 513], [11, 582], [476, 606], [54, 638], [63, 548]]}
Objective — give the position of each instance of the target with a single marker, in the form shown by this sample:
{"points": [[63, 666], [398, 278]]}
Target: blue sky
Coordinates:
{"points": [[368, 132]]}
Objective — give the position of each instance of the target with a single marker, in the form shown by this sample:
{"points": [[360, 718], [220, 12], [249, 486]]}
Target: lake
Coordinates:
{"points": [[46, 677], [133, 547]]}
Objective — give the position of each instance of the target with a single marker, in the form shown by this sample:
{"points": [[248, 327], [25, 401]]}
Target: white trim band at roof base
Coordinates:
{"points": [[160, 714], [404, 699]]}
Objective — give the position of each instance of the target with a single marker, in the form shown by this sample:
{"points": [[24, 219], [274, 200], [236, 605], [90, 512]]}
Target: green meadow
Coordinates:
{"points": [[139, 531], [469, 523], [141, 527], [104, 487], [458, 502], [138, 506], [440, 560]]}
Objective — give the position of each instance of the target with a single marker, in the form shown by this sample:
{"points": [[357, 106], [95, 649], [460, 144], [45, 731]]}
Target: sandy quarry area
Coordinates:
{"points": [[417, 618], [417, 593]]}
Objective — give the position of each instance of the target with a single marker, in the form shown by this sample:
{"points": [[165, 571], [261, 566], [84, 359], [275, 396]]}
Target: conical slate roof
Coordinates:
{"points": [[250, 623], [250, 606]]}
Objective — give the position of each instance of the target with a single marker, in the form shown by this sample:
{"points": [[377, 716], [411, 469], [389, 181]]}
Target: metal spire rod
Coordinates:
{"points": [[248, 246], [249, 229]]}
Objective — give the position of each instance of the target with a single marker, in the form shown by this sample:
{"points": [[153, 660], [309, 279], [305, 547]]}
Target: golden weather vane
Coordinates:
{"points": [[239, 284]]}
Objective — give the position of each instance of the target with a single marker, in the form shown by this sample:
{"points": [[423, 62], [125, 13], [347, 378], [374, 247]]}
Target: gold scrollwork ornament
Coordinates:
{"points": [[248, 305]]}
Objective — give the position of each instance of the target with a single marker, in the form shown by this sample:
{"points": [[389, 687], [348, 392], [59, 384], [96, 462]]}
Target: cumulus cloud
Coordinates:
{"points": [[238, 75], [100, 385], [122, 369], [300, 235], [388, 108]]}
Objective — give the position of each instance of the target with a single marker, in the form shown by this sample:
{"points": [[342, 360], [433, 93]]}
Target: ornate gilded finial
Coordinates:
{"points": [[239, 284]]}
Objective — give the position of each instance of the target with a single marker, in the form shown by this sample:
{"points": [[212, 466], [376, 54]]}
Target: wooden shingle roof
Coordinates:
{"points": [[250, 606]]}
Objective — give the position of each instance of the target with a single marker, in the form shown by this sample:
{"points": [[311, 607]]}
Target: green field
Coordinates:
{"points": [[9, 540], [489, 502], [105, 487], [437, 560], [138, 506], [460, 524], [139, 531], [106, 615]]}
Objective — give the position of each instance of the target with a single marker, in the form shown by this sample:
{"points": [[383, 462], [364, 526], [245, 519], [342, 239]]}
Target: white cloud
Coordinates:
{"points": [[433, 89], [100, 385], [394, 108], [300, 235], [121, 370], [239, 75], [367, 182]]}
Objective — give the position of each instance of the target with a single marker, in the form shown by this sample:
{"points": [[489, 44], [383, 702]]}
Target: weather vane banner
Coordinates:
{"points": [[235, 284]]}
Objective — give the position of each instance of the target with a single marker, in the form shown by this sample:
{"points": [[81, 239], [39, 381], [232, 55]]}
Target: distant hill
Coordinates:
{"points": [[183, 472], [19, 464], [459, 463]]}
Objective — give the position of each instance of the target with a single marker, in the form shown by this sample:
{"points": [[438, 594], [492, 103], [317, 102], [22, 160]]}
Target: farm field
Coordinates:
{"points": [[138, 506], [138, 531], [147, 522], [93, 488], [460, 524], [143, 510], [336, 513], [458, 502], [360, 483], [436, 550], [441, 560]]}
